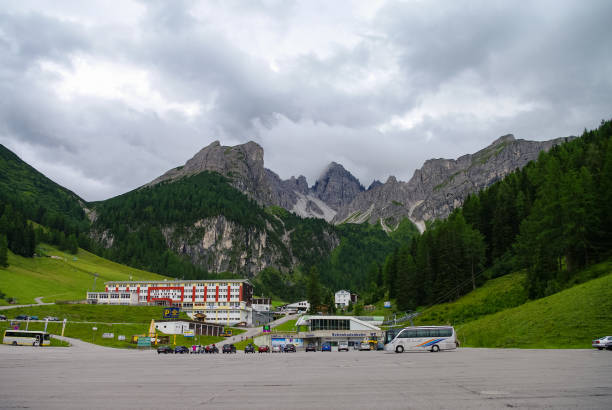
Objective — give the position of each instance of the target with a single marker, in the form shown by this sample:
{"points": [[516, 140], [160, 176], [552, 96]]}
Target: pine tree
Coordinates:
{"points": [[314, 289], [72, 244], [3, 250]]}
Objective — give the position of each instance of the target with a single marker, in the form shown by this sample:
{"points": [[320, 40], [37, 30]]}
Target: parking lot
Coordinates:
{"points": [[94, 377]]}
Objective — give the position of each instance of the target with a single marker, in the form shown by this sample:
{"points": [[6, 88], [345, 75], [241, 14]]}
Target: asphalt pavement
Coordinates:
{"points": [[93, 377]]}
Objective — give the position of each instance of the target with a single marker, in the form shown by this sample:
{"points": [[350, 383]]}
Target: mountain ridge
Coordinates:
{"points": [[337, 196]]}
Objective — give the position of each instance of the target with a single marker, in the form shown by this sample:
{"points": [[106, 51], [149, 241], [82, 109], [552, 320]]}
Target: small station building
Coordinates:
{"points": [[319, 329]]}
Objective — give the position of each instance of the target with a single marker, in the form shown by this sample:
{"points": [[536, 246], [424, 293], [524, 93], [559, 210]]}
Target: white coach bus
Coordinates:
{"points": [[25, 337], [432, 338]]}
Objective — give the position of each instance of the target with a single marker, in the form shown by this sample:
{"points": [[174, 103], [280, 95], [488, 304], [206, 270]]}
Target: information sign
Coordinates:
{"points": [[108, 335], [171, 313], [266, 328], [144, 342], [188, 333]]}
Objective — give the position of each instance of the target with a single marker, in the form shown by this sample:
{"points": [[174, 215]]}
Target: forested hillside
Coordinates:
{"points": [[160, 228], [552, 218], [27, 196]]}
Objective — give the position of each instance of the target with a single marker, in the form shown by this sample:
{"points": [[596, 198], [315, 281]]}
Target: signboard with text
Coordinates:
{"points": [[144, 342], [171, 313]]}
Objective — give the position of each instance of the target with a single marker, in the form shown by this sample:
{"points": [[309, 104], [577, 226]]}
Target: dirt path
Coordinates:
{"points": [[38, 301]]}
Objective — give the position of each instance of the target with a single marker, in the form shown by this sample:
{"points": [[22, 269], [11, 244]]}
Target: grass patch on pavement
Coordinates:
{"points": [[288, 326], [242, 344]]}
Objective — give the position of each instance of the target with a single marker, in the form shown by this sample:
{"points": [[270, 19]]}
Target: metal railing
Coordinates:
{"points": [[407, 317]]}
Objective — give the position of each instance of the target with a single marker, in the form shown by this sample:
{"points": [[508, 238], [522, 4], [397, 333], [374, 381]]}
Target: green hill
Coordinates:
{"points": [[38, 197], [568, 319], [495, 295], [61, 276]]}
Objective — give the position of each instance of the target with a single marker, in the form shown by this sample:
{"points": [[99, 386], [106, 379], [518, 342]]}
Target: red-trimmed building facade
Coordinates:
{"points": [[222, 301]]}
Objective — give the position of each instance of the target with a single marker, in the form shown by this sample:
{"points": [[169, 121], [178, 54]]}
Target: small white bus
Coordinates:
{"points": [[26, 338], [432, 338]]}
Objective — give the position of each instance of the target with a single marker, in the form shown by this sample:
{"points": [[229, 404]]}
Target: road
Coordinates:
{"points": [[253, 331], [93, 377], [38, 301]]}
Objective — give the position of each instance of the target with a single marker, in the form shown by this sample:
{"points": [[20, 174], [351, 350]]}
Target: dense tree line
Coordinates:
{"points": [[437, 266], [552, 218]]}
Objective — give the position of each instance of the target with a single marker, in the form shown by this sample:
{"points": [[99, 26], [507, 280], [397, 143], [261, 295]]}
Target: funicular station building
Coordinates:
{"points": [[226, 302], [319, 329]]}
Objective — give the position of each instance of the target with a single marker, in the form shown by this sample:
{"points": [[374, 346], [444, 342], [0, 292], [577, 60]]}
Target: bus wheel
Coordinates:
{"points": [[399, 349], [435, 348], [14, 343]]}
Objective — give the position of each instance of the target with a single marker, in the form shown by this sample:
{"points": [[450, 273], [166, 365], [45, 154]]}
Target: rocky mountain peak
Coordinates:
{"points": [[503, 138], [374, 184], [243, 164], [441, 185], [337, 187]]}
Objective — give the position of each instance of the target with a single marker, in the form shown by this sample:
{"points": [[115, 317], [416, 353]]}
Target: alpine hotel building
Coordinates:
{"points": [[222, 301]]}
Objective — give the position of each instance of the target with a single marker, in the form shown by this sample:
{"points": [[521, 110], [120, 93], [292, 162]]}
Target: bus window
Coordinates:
{"points": [[446, 332], [422, 333]]}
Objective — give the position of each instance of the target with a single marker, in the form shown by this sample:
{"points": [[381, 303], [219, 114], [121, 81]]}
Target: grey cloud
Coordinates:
{"points": [[552, 57]]}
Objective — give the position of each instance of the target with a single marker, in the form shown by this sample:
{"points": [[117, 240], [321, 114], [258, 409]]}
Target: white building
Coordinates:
{"points": [[318, 329], [226, 302], [342, 298], [179, 327], [297, 307], [114, 298], [262, 304]]}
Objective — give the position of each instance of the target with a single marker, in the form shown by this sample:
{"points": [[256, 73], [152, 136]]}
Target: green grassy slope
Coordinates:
{"points": [[495, 295], [67, 277], [568, 319], [18, 180], [94, 313]]}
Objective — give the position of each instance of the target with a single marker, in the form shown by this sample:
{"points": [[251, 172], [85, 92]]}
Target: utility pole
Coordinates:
{"points": [[94, 285]]}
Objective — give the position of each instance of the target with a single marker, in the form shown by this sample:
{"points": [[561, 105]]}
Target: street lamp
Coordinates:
{"points": [[93, 334]]}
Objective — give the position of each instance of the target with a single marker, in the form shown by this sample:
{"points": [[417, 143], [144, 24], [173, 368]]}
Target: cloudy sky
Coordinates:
{"points": [[103, 97]]}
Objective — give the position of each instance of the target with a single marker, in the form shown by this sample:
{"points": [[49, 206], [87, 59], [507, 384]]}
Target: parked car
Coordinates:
{"points": [[22, 317], [364, 346], [276, 349], [229, 348], [211, 349], [311, 347], [289, 347], [181, 349], [165, 349], [343, 346], [326, 347], [381, 346], [603, 343], [33, 317], [51, 319], [2, 317], [249, 348], [264, 349]]}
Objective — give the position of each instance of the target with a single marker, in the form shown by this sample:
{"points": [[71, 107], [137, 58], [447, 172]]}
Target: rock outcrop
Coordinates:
{"points": [[337, 187], [242, 164], [441, 185]]}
